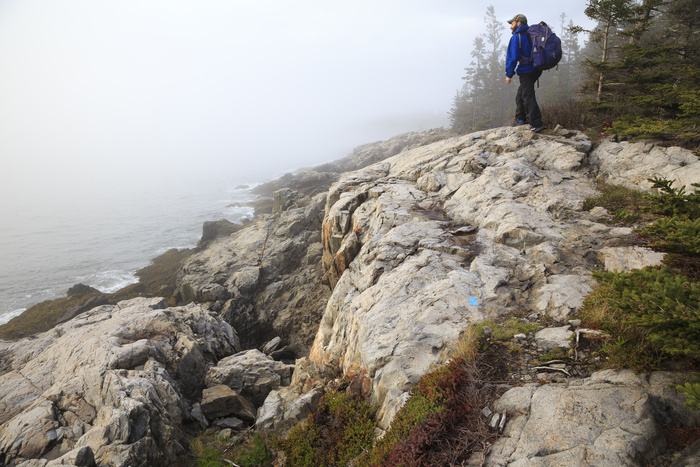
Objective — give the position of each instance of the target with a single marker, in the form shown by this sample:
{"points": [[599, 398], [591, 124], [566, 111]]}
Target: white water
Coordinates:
{"points": [[50, 243]]}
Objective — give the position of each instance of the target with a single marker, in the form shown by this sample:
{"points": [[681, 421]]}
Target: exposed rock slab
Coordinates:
{"points": [[611, 418], [117, 379], [632, 164], [422, 244], [629, 258]]}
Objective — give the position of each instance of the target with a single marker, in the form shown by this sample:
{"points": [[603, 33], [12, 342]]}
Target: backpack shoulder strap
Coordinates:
{"points": [[523, 58]]}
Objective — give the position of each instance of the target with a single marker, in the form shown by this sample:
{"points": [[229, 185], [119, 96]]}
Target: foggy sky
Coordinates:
{"points": [[101, 93]]}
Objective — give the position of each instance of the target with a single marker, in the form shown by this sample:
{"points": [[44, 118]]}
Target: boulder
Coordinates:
{"points": [[115, 381], [554, 338], [251, 373], [611, 418], [230, 422], [272, 345], [222, 401], [215, 229]]}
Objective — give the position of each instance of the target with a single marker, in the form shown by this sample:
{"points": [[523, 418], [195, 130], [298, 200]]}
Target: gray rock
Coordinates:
{"points": [[198, 415], [266, 278], [251, 373], [284, 199], [689, 457], [212, 230], [230, 422], [554, 338], [222, 401], [632, 164], [613, 418], [629, 258], [272, 345], [113, 382], [407, 280], [80, 457], [575, 323]]}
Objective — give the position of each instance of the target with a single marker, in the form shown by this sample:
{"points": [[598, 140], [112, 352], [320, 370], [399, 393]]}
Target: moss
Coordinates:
{"points": [[155, 280], [45, 315], [556, 354], [507, 329]]}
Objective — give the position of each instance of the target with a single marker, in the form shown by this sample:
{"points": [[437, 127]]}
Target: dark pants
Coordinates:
{"points": [[525, 101]]}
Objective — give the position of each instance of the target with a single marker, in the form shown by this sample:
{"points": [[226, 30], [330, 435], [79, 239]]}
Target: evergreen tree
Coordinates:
{"points": [[494, 105], [571, 59], [465, 111], [612, 16], [656, 72], [484, 100]]}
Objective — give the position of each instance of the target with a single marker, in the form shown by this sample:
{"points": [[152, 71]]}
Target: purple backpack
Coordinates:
{"points": [[546, 47]]}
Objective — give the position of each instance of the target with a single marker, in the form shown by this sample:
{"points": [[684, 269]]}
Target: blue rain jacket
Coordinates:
{"points": [[519, 49]]}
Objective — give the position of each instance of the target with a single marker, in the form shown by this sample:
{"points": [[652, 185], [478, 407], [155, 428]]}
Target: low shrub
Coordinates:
{"points": [[571, 114], [691, 391], [675, 202], [649, 313], [682, 131], [340, 430], [253, 453], [440, 424], [678, 233]]}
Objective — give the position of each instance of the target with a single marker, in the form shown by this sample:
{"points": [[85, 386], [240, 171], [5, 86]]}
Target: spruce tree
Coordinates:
{"points": [[612, 16]]}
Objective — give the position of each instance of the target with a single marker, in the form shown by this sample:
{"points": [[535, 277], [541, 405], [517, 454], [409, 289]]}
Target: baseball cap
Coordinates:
{"points": [[520, 18]]}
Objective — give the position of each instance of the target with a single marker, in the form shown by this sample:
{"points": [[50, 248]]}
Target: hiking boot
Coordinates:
{"points": [[518, 122], [536, 129]]}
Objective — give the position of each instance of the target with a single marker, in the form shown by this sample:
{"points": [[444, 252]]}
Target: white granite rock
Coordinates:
{"points": [[625, 259], [554, 338], [116, 379], [612, 418], [632, 164], [407, 278]]}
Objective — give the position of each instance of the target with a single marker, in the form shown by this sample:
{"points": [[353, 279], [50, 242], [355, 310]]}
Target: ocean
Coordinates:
{"points": [[51, 242]]}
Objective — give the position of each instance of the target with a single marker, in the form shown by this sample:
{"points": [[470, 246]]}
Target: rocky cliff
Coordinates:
{"points": [[425, 243], [374, 277]]}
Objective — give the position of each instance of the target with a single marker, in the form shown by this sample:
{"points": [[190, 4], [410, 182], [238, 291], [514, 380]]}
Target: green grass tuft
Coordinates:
{"points": [[626, 206]]}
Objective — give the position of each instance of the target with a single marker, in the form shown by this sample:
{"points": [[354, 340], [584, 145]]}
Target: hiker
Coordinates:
{"points": [[519, 60]]}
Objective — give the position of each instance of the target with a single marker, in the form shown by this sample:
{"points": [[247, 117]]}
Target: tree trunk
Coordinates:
{"points": [[605, 57]]}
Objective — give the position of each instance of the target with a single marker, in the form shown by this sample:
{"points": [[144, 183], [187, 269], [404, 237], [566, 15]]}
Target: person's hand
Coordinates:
{"points": [[507, 80]]}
